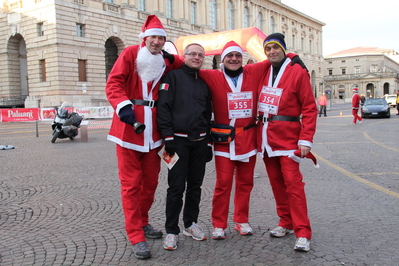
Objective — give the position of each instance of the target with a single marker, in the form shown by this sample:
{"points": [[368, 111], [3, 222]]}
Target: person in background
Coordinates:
{"points": [[234, 99], [362, 99], [356, 106], [288, 113], [397, 101], [184, 120], [323, 104], [132, 90]]}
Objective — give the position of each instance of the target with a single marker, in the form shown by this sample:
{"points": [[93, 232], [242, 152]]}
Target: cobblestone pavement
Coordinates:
{"points": [[60, 203]]}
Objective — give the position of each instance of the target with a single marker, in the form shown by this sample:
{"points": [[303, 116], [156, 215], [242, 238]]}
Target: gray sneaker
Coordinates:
{"points": [[280, 231], [141, 250], [170, 242], [151, 232], [195, 231], [302, 244]]}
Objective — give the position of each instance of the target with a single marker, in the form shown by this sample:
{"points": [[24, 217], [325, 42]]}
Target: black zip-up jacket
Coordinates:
{"points": [[184, 104]]}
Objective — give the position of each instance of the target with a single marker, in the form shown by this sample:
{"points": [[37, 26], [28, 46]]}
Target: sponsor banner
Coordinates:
{"points": [[33, 114], [95, 112], [19, 115]]}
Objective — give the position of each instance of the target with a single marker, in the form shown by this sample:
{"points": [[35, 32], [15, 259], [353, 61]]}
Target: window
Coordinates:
{"points": [[293, 42], [330, 72], [343, 71], [272, 25], [193, 13], [357, 70], [260, 21], [42, 70], [302, 44], [169, 8], [82, 70], [246, 17], [230, 16], [40, 29], [213, 14], [310, 47], [79, 30], [343, 61], [142, 5]]}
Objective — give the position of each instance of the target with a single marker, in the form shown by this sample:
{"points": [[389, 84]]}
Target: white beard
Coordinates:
{"points": [[149, 66]]}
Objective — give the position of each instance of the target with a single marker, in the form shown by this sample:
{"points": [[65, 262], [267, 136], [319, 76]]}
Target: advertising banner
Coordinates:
{"points": [[19, 115]]}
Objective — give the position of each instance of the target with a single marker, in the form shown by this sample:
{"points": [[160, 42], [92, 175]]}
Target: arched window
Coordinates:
{"points": [[260, 21], [230, 15], [213, 14], [246, 17]]}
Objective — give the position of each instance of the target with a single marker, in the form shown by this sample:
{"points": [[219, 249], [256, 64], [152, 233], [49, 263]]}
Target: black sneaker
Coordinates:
{"points": [[151, 232], [141, 250]]}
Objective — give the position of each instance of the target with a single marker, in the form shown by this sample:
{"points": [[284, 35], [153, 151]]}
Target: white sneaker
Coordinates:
{"points": [[244, 229], [218, 233], [170, 242], [302, 244], [280, 231], [195, 231]]}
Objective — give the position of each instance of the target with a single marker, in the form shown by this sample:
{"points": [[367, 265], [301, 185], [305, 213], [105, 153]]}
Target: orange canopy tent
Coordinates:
{"points": [[250, 40]]}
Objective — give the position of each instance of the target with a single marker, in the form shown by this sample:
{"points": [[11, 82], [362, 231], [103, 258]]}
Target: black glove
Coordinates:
{"points": [[209, 154], [297, 60], [168, 56], [170, 147], [126, 115]]}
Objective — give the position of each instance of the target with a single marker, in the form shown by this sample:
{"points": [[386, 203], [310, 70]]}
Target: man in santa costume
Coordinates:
{"points": [[234, 99], [288, 124], [356, 106], [132, 90]]}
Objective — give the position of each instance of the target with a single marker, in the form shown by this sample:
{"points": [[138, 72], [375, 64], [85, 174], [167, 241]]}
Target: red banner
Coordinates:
{"points": [[18, 115]]}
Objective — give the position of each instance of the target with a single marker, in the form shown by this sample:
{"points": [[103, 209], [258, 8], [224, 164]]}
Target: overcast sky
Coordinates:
{"points": [[353, 23]]}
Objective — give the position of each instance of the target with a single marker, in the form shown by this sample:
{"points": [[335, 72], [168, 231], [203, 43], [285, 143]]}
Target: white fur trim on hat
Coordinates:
{"points": [[231, 49]]}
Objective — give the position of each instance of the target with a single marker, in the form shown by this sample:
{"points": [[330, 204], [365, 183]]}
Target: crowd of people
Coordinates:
{"points": [[164, 105]]}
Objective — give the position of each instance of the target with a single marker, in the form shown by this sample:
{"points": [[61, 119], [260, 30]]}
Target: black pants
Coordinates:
{"points": [[190, 170], [323, 108]]}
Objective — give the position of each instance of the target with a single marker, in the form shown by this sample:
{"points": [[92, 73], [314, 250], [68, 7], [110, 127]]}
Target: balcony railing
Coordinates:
{"points": [[361, 76]]}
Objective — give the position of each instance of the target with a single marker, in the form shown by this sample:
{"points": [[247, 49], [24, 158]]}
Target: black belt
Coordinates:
{"points": [[150, 103], [280, 118]]}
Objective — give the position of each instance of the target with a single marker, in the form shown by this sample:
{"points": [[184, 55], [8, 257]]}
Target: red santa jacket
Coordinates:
{"points": [[355, 101], [281, 138], [244, 145], [124, 84]]}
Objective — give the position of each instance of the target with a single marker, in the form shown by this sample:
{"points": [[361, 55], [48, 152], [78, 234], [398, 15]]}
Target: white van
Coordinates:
{"points": [[391, 99]]}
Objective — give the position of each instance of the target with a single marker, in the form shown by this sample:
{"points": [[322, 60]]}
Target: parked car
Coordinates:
{"points": [[391, 99], [376, 107]]}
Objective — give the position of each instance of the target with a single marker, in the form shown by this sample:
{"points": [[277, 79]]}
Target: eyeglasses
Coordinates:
{"points": [[194, 54], [232, 55]]}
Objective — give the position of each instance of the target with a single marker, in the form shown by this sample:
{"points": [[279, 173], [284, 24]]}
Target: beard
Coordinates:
{"points": [[149, 66]]}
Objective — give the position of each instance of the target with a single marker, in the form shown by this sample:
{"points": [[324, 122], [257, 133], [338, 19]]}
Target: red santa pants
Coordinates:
{"points": [[356, 116], [244, 182], [138, 175], [289, 193]]}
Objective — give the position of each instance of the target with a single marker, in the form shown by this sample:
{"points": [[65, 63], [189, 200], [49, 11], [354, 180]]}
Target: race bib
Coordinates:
{"points": [[240, 104], [269, 100]]}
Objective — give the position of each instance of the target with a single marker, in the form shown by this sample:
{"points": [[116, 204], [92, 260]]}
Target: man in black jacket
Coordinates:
{"points": [[184, 120]]}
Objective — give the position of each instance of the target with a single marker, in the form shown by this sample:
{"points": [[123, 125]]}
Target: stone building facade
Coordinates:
{"points": [[62, 50], [374, 71]]}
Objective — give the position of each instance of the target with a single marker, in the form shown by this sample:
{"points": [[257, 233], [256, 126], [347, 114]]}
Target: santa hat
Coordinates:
{"points": [[296, 156], [355, 90], [231, 46], [151, 27]]}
